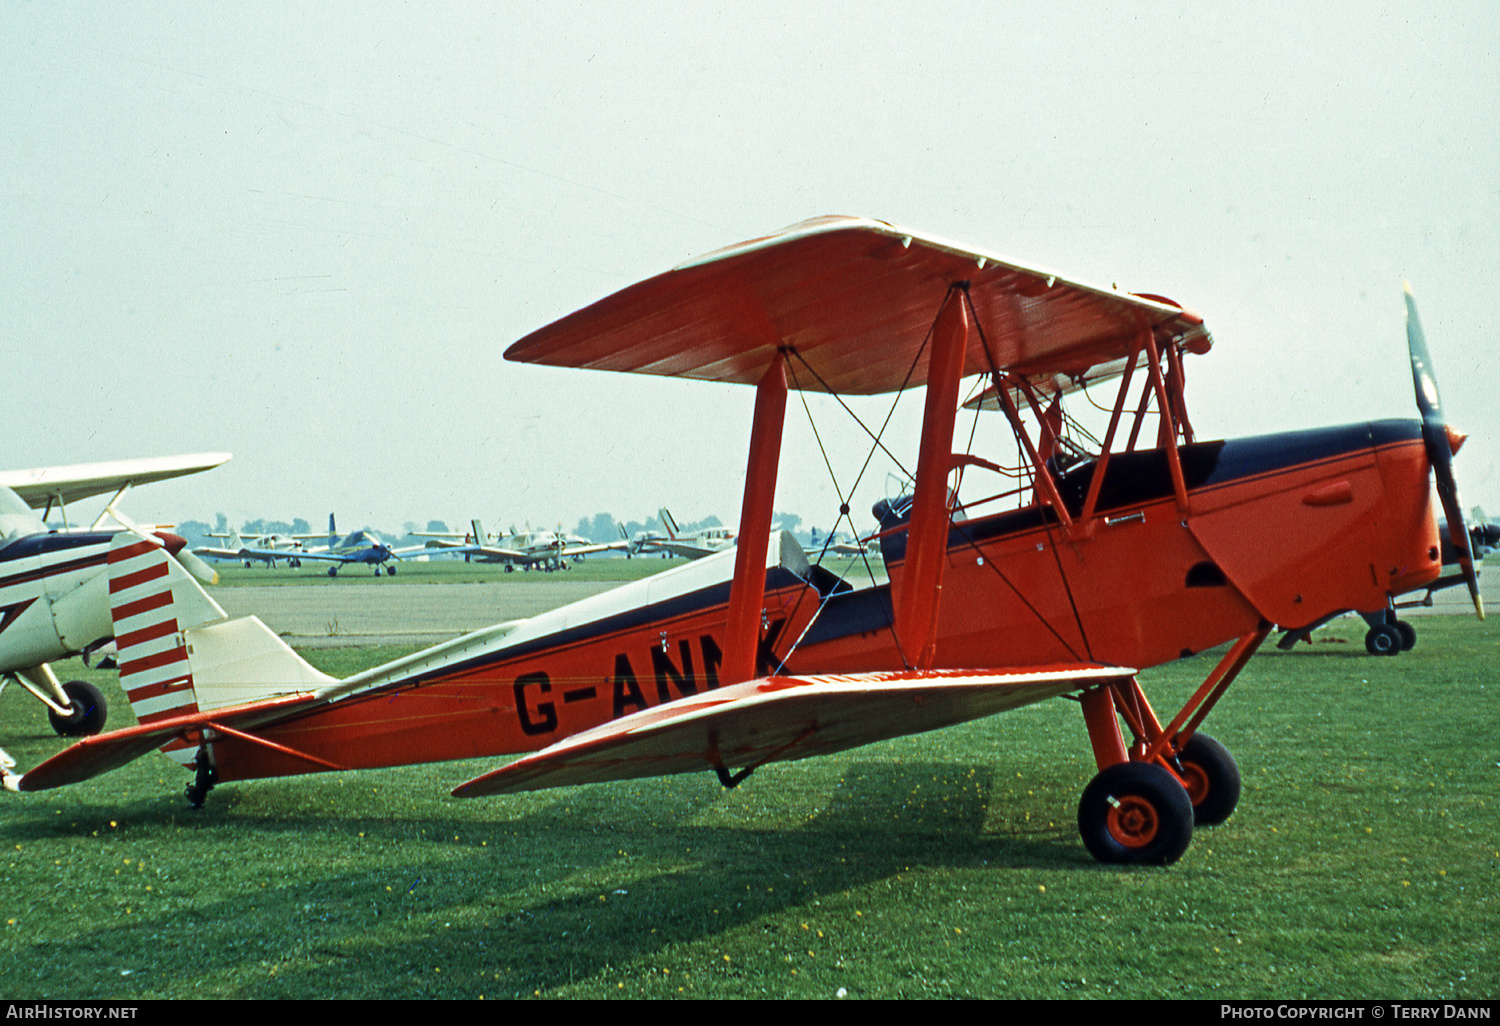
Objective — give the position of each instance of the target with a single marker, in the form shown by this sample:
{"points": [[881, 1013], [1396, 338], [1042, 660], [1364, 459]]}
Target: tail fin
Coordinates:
{"points": [[333, 534], [179, 653], [479, 535], [668, 523]]}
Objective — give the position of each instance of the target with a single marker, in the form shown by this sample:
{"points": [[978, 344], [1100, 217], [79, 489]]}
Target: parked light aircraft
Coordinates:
{"points": [[837, 543], [690, 544], [542, 550], [266, 548], [641, 543], [1155, 545], [362, 547], [54, 601]]}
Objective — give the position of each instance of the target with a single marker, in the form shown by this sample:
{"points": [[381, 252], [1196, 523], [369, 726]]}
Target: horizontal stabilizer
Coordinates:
{"points": [[104, 752], [782, 719]]}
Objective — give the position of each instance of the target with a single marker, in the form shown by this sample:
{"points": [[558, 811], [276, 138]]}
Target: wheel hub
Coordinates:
{"points": [[1195, 781], [1132, 821]]}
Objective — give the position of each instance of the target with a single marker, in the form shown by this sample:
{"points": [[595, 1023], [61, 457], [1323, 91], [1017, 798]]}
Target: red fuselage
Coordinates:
{"points": [[1286, 529]]}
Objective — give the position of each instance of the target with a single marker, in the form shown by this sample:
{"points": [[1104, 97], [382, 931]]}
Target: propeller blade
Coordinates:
{"points": [[1438, 441]]}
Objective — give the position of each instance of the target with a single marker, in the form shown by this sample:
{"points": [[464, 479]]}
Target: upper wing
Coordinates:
{"points": [[780, 719], [855, 299], [42, 485]]}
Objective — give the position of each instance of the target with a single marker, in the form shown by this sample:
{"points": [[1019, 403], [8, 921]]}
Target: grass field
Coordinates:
{"points": [[1363, 862]]}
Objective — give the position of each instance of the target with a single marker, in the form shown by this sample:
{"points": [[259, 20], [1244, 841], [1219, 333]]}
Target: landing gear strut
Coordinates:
{"points": [[1143, 805]]}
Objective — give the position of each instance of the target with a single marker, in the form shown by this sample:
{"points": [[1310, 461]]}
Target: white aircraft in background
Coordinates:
{"points": [[694, 545], [364, 547], [838, 544], [544, 550], [265, 548], [54, 585]]}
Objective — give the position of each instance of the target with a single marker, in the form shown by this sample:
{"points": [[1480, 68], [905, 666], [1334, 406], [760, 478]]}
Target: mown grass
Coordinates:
{"points": [[1362, 863]]}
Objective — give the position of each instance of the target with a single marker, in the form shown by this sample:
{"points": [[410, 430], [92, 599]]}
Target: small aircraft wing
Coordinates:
{"points": [[686, 549], [213, 552], [854, 298], [41, 486], [487, 551], [585, 550], [780, 719]]}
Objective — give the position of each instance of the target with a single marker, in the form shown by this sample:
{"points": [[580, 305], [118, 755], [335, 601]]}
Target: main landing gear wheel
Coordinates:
{"points": [[1135, 813], [88, 714], [1385, 640], [1212, 778], [1408, 635]]}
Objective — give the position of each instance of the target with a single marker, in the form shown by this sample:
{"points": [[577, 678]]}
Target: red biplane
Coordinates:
{"points": [[1147, 546]]}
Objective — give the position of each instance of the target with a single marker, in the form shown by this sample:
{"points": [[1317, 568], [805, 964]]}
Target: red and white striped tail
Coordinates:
{"points": [[152, 600]]}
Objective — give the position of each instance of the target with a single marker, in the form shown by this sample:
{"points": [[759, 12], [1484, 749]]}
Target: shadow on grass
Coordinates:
{"points": [[597, 878]]}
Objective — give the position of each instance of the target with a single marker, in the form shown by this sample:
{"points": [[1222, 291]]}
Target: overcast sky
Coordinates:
{"points": [[305, 233]]}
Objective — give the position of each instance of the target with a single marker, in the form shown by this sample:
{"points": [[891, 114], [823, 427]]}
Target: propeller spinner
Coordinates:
{"points": [[1441, 443]]}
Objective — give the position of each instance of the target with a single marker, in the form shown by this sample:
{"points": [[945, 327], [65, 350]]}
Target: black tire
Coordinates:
{"points": [[1384, 640], [1135, 813], [1408, 635], [1213, 780], [89, 711]]}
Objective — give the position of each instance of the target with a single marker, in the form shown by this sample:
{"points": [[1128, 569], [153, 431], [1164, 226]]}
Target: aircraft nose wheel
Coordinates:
{"points": [[1385, 639], [1135, 813], [88, 711]]}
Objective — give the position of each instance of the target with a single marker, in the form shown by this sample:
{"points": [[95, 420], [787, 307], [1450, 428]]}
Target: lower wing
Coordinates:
{"points": [[782, 718]]}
